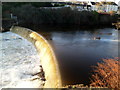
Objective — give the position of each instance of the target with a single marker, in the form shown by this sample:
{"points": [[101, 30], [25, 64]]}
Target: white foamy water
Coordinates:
{"points": [[19, 62]]}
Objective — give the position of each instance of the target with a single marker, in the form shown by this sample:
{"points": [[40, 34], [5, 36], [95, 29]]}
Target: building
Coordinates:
{"points": [[103, 6], [118, 12], [80, 6], [110, 6]]}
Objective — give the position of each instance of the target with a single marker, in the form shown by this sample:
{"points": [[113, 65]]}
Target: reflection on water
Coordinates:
{"points": [[77, 51]]}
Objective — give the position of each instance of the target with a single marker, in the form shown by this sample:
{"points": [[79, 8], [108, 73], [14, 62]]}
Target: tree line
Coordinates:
{"points": [[30, 15]]}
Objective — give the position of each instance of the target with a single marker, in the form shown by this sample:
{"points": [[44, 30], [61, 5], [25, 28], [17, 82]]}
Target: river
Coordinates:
{"points": [[19, 63], [78, 50]]}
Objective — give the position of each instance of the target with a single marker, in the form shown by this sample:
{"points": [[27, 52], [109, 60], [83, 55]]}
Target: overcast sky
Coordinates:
{"points": [[52, 0]]}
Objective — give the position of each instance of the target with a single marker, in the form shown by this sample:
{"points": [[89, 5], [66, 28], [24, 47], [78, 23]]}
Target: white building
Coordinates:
{"points": [[104, 6], [118, 12], [110, 6]]}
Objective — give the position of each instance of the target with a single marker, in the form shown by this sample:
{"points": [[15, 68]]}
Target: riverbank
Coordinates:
{"points": [[29, 16], [19, 63], [58, 28]]}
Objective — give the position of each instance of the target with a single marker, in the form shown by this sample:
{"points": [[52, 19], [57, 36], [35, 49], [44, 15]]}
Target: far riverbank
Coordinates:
{"points": [[32, 17]]}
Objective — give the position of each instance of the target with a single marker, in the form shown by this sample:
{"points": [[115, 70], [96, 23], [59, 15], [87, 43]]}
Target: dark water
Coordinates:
{"points": [[77, 51]]}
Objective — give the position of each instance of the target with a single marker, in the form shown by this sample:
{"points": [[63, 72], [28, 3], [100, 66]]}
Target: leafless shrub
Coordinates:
{"points": [[106, 74]]}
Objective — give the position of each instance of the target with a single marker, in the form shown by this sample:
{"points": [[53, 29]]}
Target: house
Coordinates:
{"points": [[97, 6], [118, 12], [103, 6], [78, 6], [110, 6]]}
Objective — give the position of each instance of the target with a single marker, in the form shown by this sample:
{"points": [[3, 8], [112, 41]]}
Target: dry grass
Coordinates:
{"points": [[106, 74]]}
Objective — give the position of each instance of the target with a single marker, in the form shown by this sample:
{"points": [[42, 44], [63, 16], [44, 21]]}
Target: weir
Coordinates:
{"points": [[47, 56]]}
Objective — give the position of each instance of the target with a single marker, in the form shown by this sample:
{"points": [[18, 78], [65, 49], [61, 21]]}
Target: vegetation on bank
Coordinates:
{"points": [[31, 16], [106, 74]]}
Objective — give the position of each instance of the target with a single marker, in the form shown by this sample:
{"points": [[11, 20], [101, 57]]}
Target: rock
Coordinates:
{"points": [[3, 30], [43, 79], [96, 38], [50, 38], [6, 39]]}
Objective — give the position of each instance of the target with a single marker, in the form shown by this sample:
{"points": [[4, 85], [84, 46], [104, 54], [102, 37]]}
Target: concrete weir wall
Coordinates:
{"points": [[47, 56]]}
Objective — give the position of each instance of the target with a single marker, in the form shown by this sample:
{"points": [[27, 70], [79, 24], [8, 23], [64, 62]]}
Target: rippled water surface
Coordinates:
{"points": [[19, 62], [78, 50]]}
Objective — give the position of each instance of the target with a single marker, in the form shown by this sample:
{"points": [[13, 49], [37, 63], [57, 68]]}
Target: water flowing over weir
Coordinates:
{"points": [[47, 56]]}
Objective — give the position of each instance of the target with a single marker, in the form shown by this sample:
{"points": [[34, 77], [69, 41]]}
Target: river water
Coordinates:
{"points": [[78, 50], [19, 63]]}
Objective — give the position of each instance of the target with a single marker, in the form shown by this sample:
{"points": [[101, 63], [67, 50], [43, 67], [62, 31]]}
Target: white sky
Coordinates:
{"points": [[54, 0]]}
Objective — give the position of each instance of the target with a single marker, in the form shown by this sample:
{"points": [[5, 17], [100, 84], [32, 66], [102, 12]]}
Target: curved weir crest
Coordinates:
{"points": [[47, 56]]}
